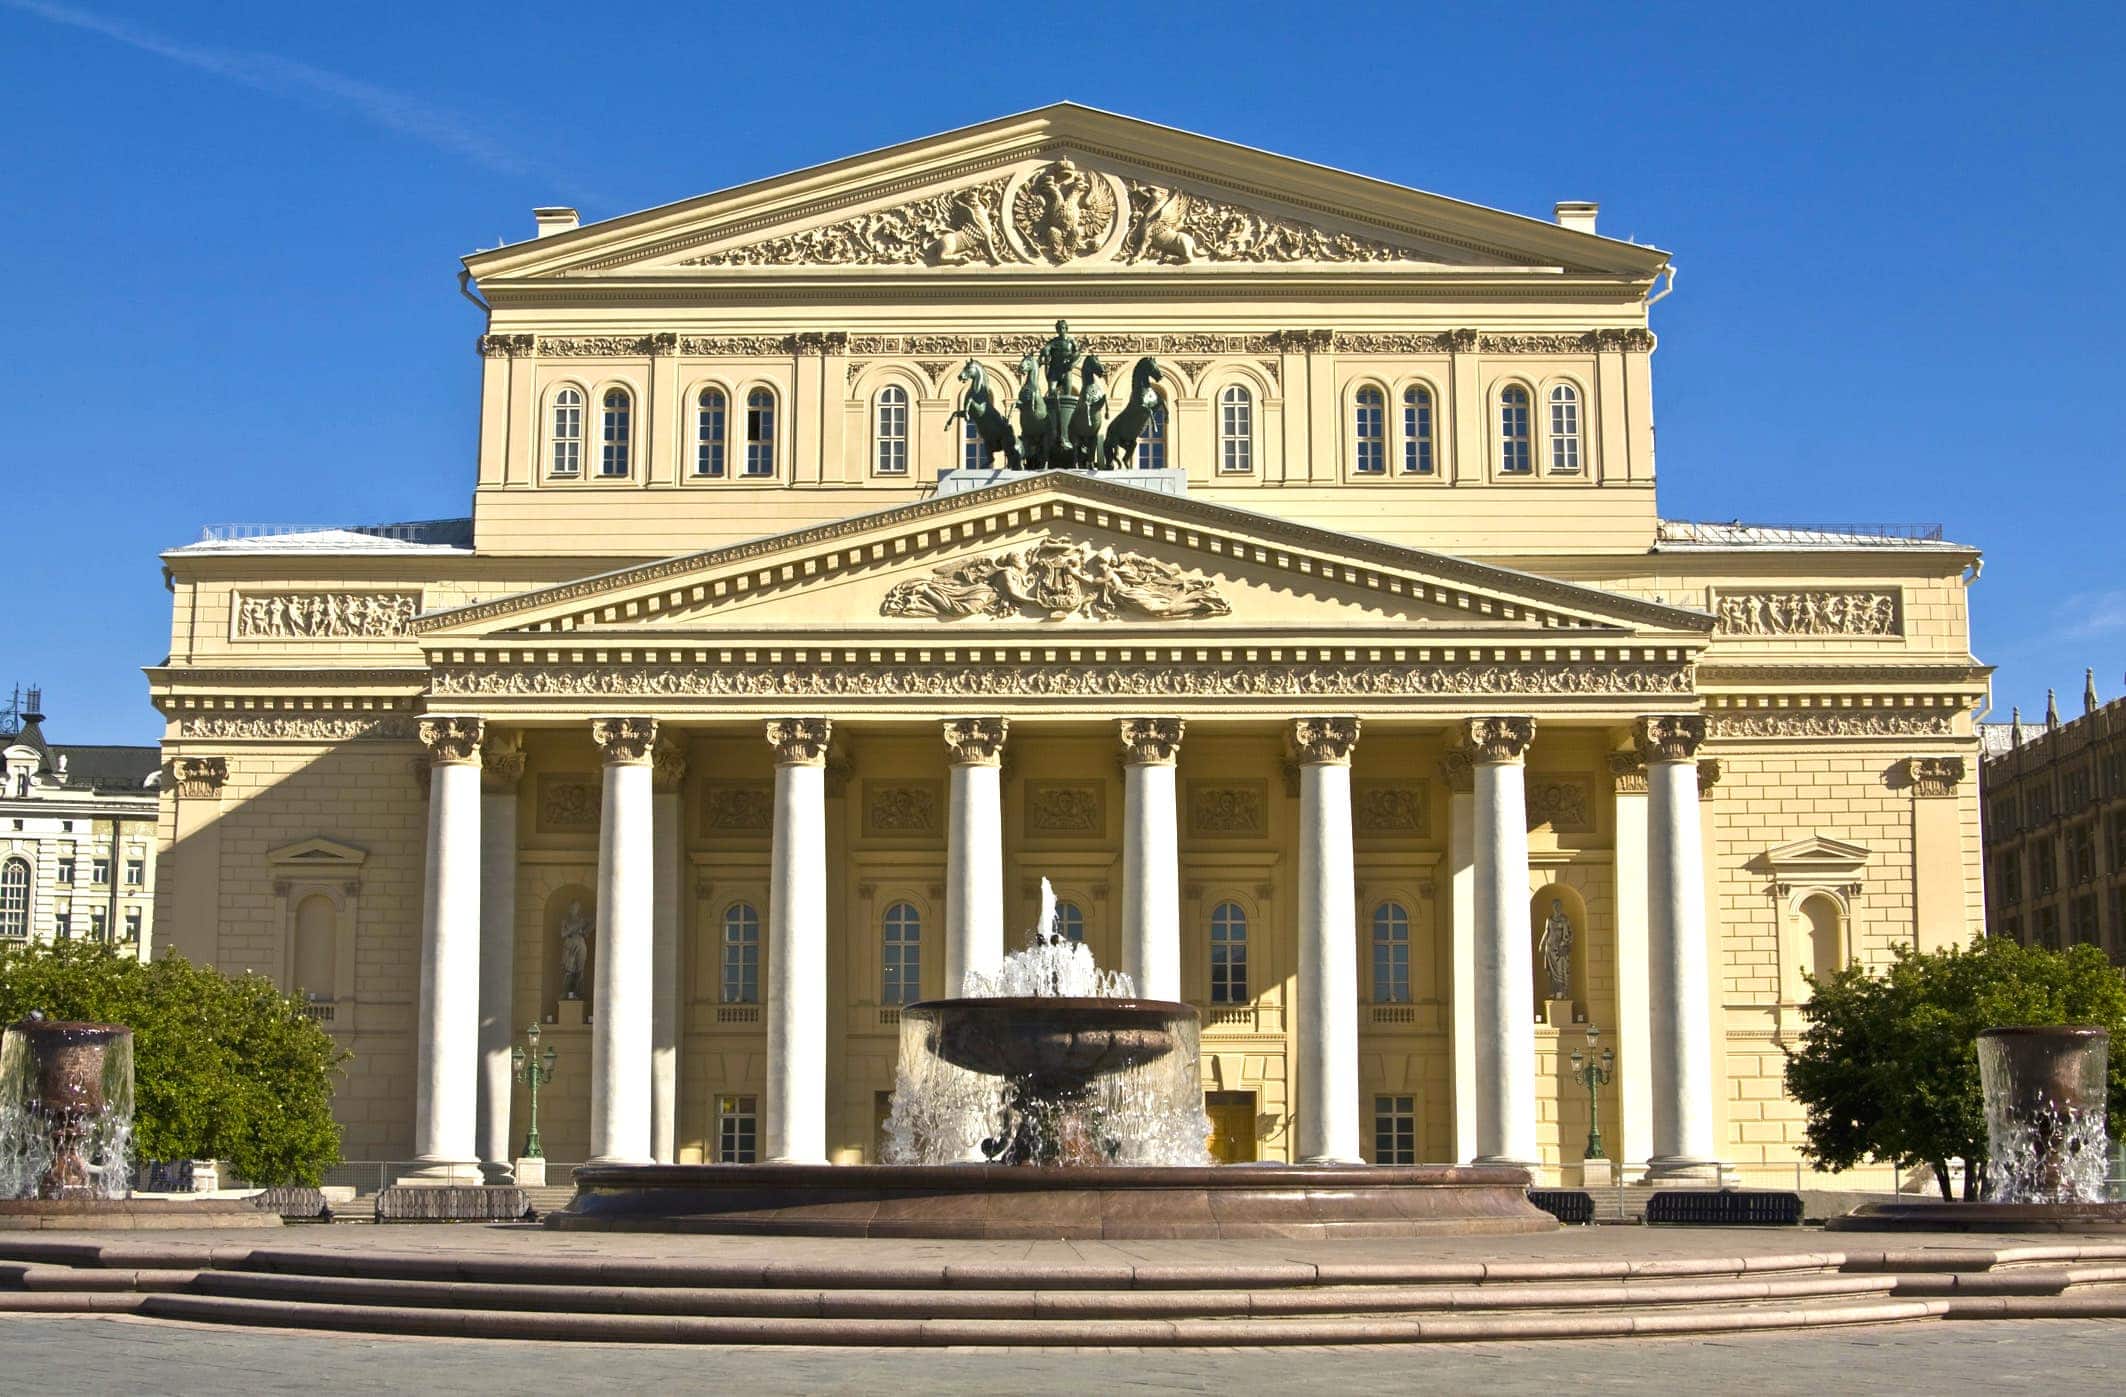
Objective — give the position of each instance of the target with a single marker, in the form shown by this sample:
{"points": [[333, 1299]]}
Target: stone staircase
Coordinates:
{"points": [[898, 1302]]}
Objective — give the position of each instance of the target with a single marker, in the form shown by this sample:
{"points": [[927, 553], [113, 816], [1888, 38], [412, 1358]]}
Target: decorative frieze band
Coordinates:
{"points": [[323, 615], [1832, 722], [975, 741], [1833, 611], [298, 727], [1151, 741]]}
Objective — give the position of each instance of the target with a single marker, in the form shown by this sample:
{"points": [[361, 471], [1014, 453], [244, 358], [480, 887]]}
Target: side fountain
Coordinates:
{"points": [[2047, 1152], [1047, 1101], [66, 1134]]}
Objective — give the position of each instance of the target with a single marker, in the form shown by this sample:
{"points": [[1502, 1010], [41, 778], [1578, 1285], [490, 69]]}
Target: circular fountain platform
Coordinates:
{"points": [[1031, 1203], [1946, 1215]]}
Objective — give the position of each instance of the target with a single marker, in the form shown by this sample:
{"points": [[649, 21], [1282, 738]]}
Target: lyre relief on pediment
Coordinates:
{"points": [[1060, 580]]}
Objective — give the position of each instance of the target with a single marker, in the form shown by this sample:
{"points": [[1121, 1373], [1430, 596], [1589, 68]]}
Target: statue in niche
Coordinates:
{"points": [[1556, 949], [575, 950]]}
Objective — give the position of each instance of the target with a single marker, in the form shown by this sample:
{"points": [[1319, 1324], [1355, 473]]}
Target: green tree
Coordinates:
{"points": [[1888, 1065], [225, 1067]]}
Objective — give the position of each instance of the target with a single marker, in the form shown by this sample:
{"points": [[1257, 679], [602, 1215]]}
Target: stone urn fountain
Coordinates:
{"points": [[2048, 1156]]}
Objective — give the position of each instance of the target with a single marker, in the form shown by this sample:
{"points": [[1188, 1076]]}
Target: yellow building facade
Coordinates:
{"points": [[1371, 706]]}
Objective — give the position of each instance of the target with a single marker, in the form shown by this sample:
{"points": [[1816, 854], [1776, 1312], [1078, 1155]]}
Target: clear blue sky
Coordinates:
{"points": [[231, 231]]}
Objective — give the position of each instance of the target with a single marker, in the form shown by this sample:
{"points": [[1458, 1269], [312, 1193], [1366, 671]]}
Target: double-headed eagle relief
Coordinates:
{"points": [[1066, 419], [1059, 580]]}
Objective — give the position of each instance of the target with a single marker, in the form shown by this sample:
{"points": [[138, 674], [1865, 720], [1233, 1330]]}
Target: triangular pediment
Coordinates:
{"points": [[1052, 553], [317, 852], [1816, 855], [1064, 188]]}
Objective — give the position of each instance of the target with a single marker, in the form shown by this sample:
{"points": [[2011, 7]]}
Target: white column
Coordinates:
{"points": [[447, 1048], [1460, 775], [1634, 1032], [1326, 1005], [501, 763], [974, 850], [796, 1124], [1684, 1079], [621, 996], [668, 765], [1151, 857], [1505, 983]]}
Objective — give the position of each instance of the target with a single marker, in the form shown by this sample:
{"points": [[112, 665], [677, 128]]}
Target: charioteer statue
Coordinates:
{"points": [[1064, 421]]}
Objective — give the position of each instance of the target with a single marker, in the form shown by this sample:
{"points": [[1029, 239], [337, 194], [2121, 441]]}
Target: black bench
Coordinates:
{"points": [[1723, 1207], [1567, 1205]]}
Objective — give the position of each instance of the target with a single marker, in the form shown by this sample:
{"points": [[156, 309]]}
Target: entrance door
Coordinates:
{"points": [[1232, 1116]]}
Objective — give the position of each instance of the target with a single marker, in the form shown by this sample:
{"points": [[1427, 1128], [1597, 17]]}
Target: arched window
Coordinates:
{"points": [[972, 456], [1236, 431], [741, 954], [1070, 920], [1514, 455], [1229, 954], [1564, 429], [710, 414], [568, 432], [903, 979], [615, 428], [1417, 431], [1372, 427], [760, 433], [1151, 442], [890, 454], [1825, 951], [316, 947], [15, 898], [1391, 954]]}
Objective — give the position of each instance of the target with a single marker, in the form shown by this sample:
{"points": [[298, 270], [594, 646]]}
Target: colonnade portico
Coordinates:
{"points": [[635, 1024]]}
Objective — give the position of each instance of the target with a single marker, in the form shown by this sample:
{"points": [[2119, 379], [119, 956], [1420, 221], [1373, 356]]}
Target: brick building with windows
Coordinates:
{"points": [[2055, 803]]}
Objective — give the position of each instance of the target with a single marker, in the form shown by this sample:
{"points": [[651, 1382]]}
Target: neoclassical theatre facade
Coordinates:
{"points": [[1348, 684]]}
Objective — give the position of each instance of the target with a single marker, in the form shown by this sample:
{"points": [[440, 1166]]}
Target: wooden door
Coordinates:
{"points": [[1232, 1116]]}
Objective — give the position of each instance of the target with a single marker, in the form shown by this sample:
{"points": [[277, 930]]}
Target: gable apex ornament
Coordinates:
{"points": [[1058, 580]]}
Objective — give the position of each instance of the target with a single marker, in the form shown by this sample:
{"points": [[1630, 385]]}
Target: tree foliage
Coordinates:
{"points": [[1888, 1065], [224, 1067]]}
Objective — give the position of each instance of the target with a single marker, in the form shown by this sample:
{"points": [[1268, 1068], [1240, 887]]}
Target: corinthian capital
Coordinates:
{"points": [[625, 741], [799, 741], [1151, 741], [1497, 739], [199, 778], [1668, 737], [453, 741], [1323, 741], [1934, 776], [668, 764], [1458, 770], [975, 741], [501, 761], [1627, 772]]}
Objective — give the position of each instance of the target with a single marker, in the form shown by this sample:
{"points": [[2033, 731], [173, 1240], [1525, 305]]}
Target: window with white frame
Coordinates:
{"points": [[972, 455], [615, 433], [63, 922], [901, 977], [737, 1129], [1516, 456], [99, 923], [568, 432], [1229, 954], [100, 869], [1070, 922], [711, 417], [1391, 953], [15, 898], [1417, 431], [1564, 429], [136, 872], [890, 439], [760, 433], [1236, 430], [741, 954], [1370, 422], [132, 923], [1395, 1130], [1151, 443]]}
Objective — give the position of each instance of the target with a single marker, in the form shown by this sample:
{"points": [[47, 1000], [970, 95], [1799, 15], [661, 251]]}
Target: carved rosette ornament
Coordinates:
{"points": [[199, 778], [452, 741], [1934, 777], [501, 762], [1323, 741], [1151, 741], [668, 764], [975, 741], [1457, 768], [799, 741], [1627, 773], [1493, 740], [625, 741], [1669, 737]]}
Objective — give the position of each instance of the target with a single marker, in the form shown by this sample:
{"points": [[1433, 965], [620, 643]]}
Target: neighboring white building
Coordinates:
{"points": [[77, 837]]}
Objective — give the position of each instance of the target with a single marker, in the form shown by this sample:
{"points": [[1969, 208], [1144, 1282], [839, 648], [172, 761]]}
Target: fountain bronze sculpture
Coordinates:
{"points": [[1047, 1101]]}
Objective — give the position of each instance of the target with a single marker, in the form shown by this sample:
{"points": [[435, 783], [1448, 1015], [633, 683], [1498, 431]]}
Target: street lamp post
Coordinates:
{"points": [[1592, 1070], [535, 1072]]}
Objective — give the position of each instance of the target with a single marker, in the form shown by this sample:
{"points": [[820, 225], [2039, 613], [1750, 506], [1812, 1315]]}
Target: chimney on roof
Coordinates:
{"points": [[555, 220], [33, 705], [2089, 691], [1578, 215]]}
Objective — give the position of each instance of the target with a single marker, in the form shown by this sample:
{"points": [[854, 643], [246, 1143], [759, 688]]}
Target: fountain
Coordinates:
{"points": [[66, 1135], [1047, 1101], [2047, 1154]]}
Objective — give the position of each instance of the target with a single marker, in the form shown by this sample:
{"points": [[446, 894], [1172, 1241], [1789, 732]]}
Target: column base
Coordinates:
{"points": [[436, 1171], [497, 1172], [1684, 1171]]}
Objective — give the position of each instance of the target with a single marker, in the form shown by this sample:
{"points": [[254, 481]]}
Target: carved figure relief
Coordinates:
{"points": [[1827, 612], [1563, 803], [575, 950], [1555, 948], [1390, 808], [325, 615], [738, 807], [299, 727], [1059, 580], [1227, 810], [1171, 227], [567, 803], [1067, 809], [1834, 722], [901, 808], [944, 230]]}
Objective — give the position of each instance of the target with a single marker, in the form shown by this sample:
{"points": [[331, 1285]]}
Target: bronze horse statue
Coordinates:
{"points": [[1089, 422], [991, 428], [1118, 449], [1036, 422]]}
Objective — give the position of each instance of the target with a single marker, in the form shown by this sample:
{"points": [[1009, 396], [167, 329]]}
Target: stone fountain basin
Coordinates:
{"points": [[1060, 1044]]}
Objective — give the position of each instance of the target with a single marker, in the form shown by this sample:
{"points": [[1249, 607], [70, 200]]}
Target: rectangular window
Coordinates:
{"points": [[1229, 956], [760, 434], [2010, 877], [136, 872], [66, 871], [2048, 928], [741, 956], [972, 456], [100, 870], [132, 923], [99, 923], [737, 1129], [2118, 842], [1372, 458], [2082, 920], [1151, 446], [2013, 928], [1417, 432], [1236, 432], [63, 924], [1395, 1130], [709, 437], [1564, 431], [2044, 874], [2081, 853]]}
